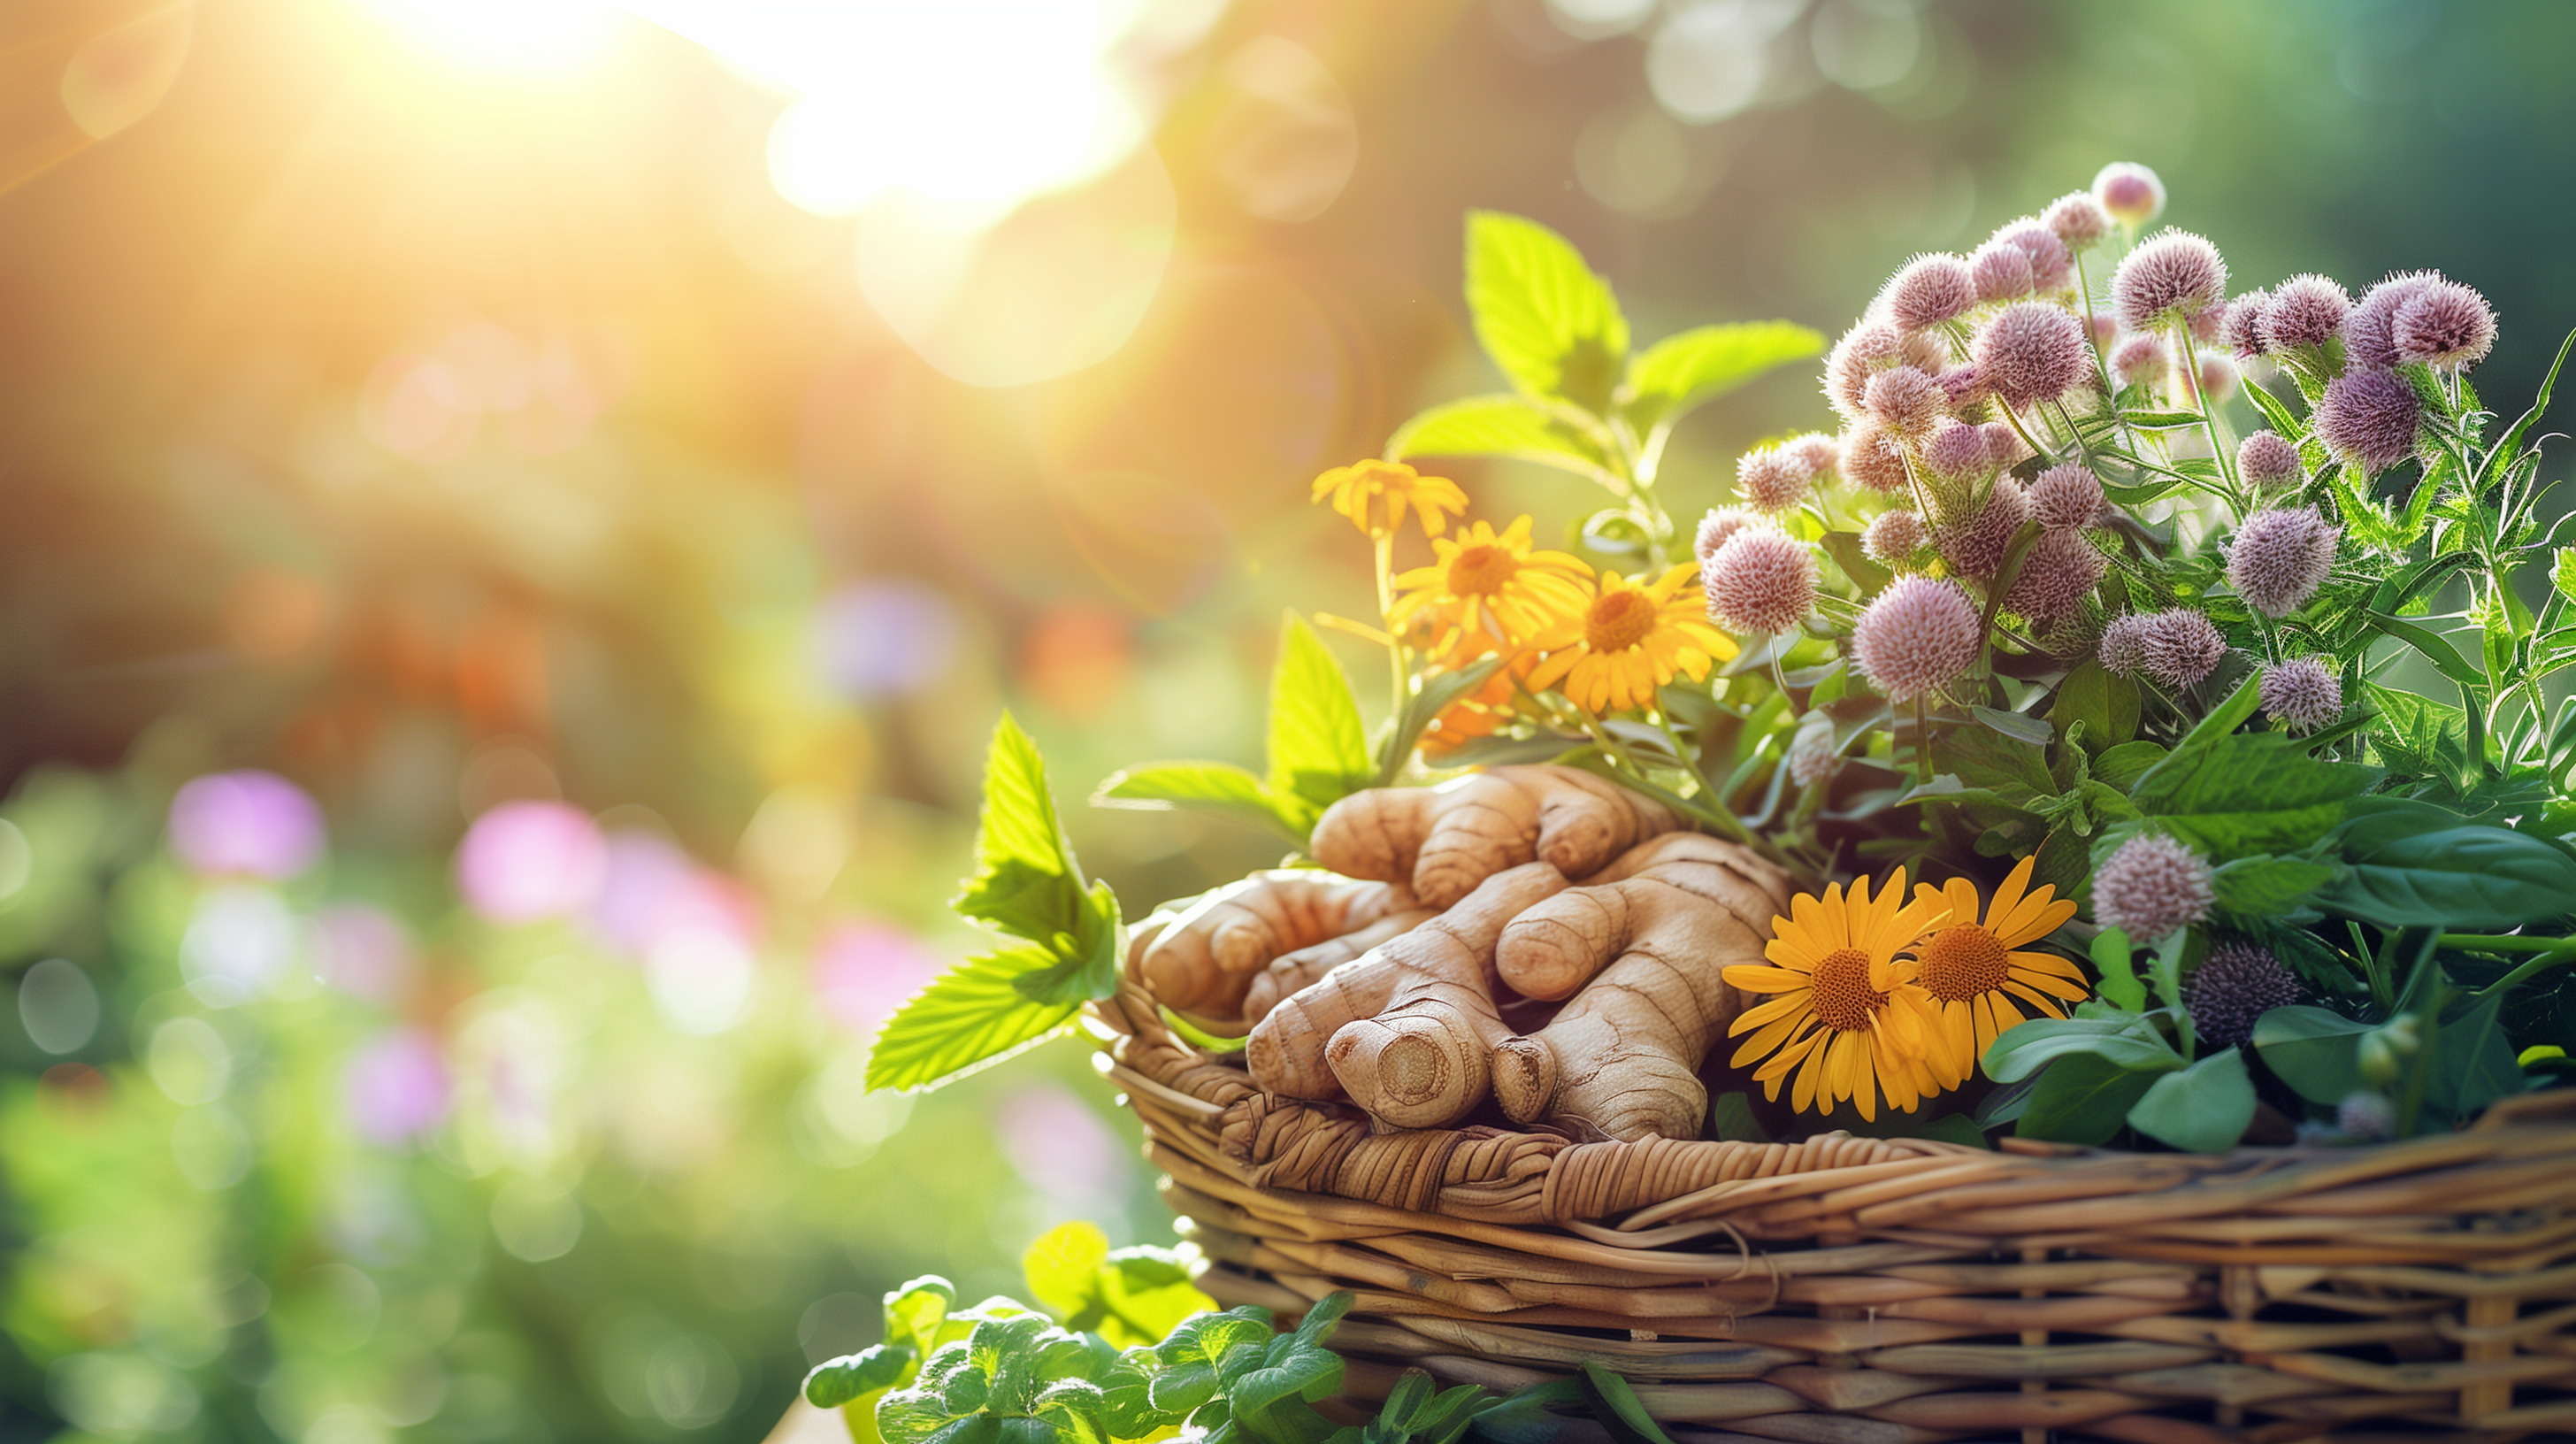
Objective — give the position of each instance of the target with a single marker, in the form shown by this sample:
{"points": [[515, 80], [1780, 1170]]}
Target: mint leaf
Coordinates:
{"points": [[2314, 1050], [1547, 321], [2459, 877], [1161, 786], [2083, 1098], [2202, 1109], [1680, 372], [1319, 753], [969, 1017], [2251, 793], [1500, 425], [1026, 882]]}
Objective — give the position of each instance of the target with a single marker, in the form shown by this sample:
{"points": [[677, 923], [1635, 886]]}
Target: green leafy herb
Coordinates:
{"points": [[1547, 321]]}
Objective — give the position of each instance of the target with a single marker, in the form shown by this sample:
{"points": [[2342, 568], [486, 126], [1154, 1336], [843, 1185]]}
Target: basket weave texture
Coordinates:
{"points": [[1867, 1291]]}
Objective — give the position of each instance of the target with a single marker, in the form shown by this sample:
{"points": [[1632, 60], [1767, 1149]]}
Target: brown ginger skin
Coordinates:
{"points": [[1446, 840], [1647, 943], [1408, 1031], [1207, 956], [1292, 973]]}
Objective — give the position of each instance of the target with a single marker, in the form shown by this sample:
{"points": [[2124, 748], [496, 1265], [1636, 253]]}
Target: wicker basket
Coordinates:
{"points": [[1862, 1291]]}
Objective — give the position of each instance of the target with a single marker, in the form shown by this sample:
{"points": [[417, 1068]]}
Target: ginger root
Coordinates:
{"points": [[1293, 972], [1647, 942], [1409, 1030], [1446, 840], [1205, 959]]}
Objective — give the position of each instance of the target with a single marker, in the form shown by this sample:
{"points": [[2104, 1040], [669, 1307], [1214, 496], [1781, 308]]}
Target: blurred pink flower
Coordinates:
{"points": [[245, 823], [362, 949], [883, 639], [643, 871], [396, 1086], [523, 861], [865, 970], [1057, 1143]]}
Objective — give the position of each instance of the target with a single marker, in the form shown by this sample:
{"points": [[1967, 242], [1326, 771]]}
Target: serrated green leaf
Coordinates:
{"points": [[1203, 786], [2205, 1108], [1548, 322], [2251, 793], [969, 1018], [1499, 425], [1681, 372], [1026, 881], [1318, 751], [2417, 736], [2084, 1098]]}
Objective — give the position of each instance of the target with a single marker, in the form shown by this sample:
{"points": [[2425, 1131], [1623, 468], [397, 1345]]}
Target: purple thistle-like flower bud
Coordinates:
{"points": [[2002, 272], [1930, 291], [2304, 312], [1894, 539], [1904, 400], [1870, 459], [2058, 572], [2079, 220], [2140, 361], [2279, 559], [2370, 327], [2067, 497], [2233, 988], [2123, 645], [1820, 454], [2267, 458], [1718, 527], [1928, 352], [2151, 886], [1762, 582], [1770, 480], [2004, 446], [2130, 192], [1918, 635], [2241, 328], [1975, 548], [1962, 386], [2052, 264], [2032, 352], [1865, 350], [2180, 646], [2369, 418], [2446, 326], [2103, 328], [2167, 281], [2219, 378], [1812, 758], [1956, 451], [2303, 693]]}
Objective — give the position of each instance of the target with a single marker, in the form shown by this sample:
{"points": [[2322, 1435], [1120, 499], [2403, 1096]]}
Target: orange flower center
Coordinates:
{"points": [[1961, 962], [1619, 621], [1482, 571], [1845, 1002]]}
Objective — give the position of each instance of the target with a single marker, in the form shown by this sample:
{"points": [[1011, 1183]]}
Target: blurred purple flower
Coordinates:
{"points": [[245, 823], [644, 871], [1057, 1143], [397, 1086], [363, 950], [523, 861], [883, 639], [865, 970]]}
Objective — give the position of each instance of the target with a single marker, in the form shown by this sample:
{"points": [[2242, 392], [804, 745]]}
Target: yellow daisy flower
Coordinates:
{"points": [[1849, 1017], [1373, 494], [1486, 591], [1626, 639], [1973, 973]]}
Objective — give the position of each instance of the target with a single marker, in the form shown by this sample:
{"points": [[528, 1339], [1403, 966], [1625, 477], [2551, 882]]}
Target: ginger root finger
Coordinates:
{"points": [[1292, 973], [1445, 840], [1288, 1052], [1208, 955], [1552, 950], [1425, 1058], [1622, 1059]]}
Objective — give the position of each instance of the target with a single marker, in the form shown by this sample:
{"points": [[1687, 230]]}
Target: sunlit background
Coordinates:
{"points": [[520, 513]]}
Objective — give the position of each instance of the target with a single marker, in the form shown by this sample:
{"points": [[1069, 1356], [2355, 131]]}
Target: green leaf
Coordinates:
{"points": [[1499, 425], [1547, 321], [2122, 766], [1431, 696], [1680, 372], [1618, 1409], [2416, 735], [2266, 886], [2084, 1098], [1200, 1038], [1063, 1268], [2119, 972], [2021, 728], [1026, 881], [2108, 706], [2274, 412], [969, 1018], [2474, 1063], [915, 1312], [1318, 751], [1085, 962], [2468, 877], [2314, 1050], [1845, 548], [2249, 793], [2130, 1041], [851, 1378], [1730, 1118], [1211, 786], [2434, 648], [2205, 1108], [1132, 1296], [1527, 1415]]}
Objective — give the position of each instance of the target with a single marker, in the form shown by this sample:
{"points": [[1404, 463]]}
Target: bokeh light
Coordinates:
{"points": [[524, 861], [250, 823]]}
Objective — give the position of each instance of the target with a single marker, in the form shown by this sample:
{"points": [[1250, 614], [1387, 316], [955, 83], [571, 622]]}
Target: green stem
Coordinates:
{"points": [[2552, 952], [2209, 423], [1922, 741], [1386, 619]]}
